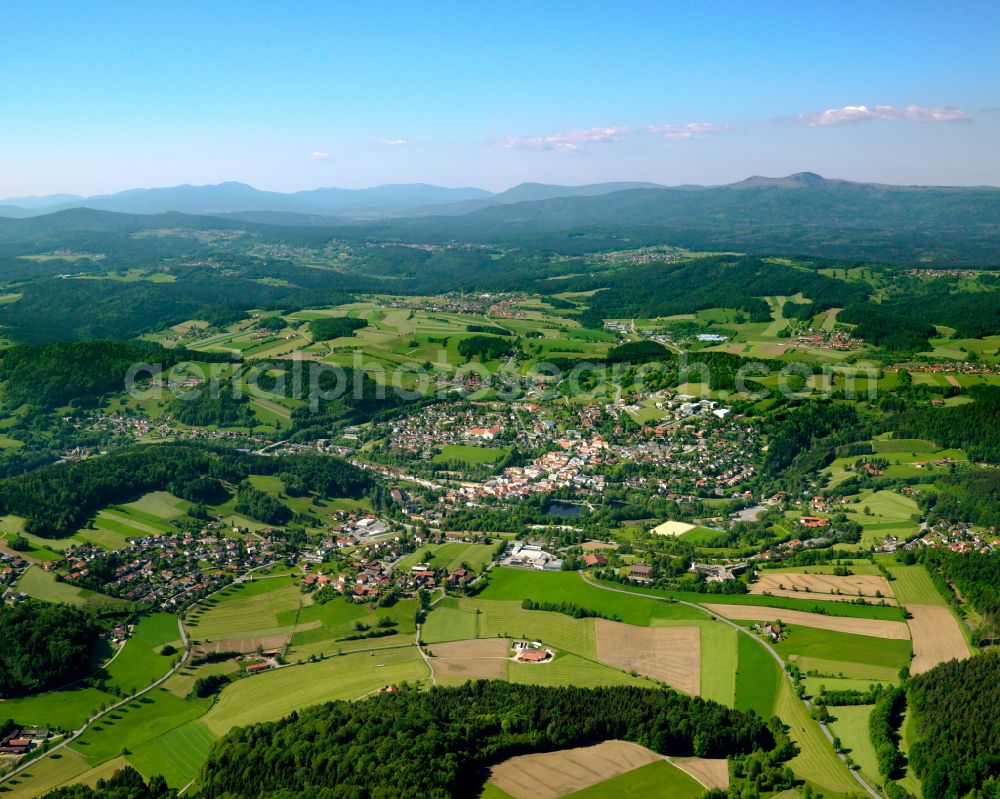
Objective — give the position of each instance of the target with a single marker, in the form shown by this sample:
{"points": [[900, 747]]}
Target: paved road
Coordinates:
{"points": [[90, 722], [781, 663], [87, 724]]}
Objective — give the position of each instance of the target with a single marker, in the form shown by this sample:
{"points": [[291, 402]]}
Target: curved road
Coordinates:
{"points": [[773, 652], [89, 722]]}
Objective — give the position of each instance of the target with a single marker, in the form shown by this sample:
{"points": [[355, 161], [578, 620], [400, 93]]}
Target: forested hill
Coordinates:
{"points": [[57, 499], [52, 375], [802, 214], [442, 739]]}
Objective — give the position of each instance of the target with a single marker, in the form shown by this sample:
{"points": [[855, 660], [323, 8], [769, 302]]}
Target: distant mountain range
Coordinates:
{"points": [[800, 214], [238, 198]]}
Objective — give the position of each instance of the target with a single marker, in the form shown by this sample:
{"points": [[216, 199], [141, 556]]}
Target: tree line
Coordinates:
{"points": [[58, 499]]}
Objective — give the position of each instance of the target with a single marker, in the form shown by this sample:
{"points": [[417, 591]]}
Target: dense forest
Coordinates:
{"points": [[58, 499], [805, 436], [43, 646], [200, 408], [434, 745], [666, 289], [332, 327], [485, 348], [974, 427], [976, 575], [79, 373], [955, 712], [261, 506], [972, 496]]}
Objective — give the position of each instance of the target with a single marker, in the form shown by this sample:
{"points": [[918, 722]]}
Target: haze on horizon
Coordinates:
{"points": [[117, 96]]}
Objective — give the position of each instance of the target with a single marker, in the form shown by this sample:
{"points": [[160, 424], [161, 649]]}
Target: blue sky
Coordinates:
{"points": [[98, 97]]}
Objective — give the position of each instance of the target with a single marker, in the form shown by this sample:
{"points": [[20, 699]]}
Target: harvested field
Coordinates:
{"points": [[952, 380], [242, 644], [876, 628], [592, 546], [672, 528], [710, 773], [555, 774], [864, 584], [789, 594], [484, 658], [669, 654], [936, 637]]}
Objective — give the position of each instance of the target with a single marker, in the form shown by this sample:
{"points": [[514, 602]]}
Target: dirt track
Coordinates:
{"points": [[877, 628], [669, 654], [937, 637]]}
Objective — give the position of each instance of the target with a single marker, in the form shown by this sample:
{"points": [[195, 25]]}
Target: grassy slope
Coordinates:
{"points": [[140, 662], [274, 694], [757, 678], [851, 726], [656, 779]]}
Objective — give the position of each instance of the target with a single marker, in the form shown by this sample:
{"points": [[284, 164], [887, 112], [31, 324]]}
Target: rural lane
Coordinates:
{"points": [[773, 652]]}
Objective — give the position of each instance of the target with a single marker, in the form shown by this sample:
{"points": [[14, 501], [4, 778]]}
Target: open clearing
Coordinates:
{"points": [[554, 774], [669, 654], [936, 637], [480, 659], [876, 628], [850, 587]]}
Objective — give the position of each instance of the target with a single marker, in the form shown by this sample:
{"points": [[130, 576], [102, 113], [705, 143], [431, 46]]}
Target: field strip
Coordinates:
{"points": [[551, 775], [877, 628], [867, 585], [805, 705], [937, 637], [480, 658], [790, 594], [668, 654], [710, 773]]}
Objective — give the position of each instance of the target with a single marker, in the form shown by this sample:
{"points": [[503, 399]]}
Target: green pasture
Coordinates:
{"points": [[140, 661], [246, 610], [571, 669], [40, 584], [274, 694], [850, 724], [67, 709], [519, 584], [656, 779], [758, 677], [811, 642]]}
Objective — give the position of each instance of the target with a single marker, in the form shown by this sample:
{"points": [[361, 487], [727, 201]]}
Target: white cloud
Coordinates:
{"points": [[686, 132], [567, 142], [860, 113], [319, 155], [395, 142]]}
